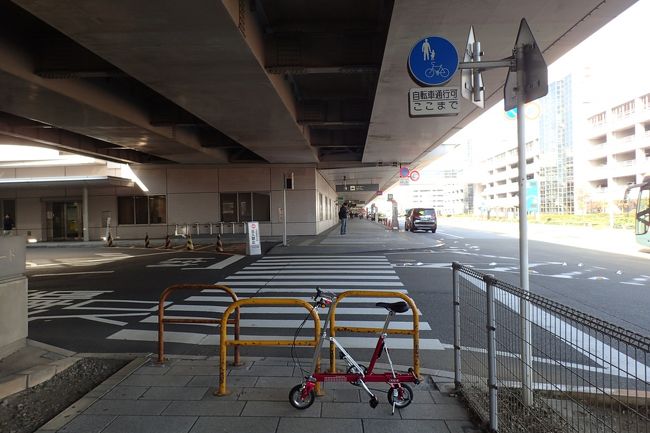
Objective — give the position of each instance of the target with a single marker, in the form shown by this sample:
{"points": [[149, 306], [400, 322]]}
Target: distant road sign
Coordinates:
{"points": [[404, 172], [415, 175], [433, 61], [358, 187]]}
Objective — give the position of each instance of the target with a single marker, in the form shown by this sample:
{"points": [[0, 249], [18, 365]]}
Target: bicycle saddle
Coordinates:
{"points": [[396, 307]]}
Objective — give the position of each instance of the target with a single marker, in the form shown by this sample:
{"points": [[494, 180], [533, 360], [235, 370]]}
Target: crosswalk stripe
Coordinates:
{"points": [[293, 324], [314, 283], [228, 299], [283, 271], [239, 290], [320, 257], [211, 339], [293, 277], [370, 311], [320, 262], [308, 279], [319, 267]]}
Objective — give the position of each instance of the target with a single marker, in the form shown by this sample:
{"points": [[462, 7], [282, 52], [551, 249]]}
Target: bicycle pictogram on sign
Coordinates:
{"points": [[433, 61]]}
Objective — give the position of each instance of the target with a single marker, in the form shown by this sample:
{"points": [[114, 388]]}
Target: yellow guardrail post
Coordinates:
{"points": [[415, 332], [187, 287], [224, 342]]}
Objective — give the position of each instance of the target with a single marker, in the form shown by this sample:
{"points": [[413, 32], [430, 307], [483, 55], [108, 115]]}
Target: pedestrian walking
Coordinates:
{"points": [[343, 217], [7, 225]]}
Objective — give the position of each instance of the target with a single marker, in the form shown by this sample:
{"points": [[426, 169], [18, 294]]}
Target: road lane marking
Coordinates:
{"points": [[449, 234], [71, 273], [227, 262], [614, 361]]}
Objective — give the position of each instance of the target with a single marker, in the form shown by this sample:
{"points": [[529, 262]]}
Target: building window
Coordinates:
{"points": [[645, 101], [142, 210], [598, 119], [624, 110], [245, 206]]}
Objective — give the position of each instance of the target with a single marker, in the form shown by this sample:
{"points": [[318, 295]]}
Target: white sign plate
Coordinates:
{"points": [[254, 245], [434, 101]]}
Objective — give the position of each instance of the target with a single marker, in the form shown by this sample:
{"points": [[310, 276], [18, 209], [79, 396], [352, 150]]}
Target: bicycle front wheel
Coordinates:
{"points": [[297, 399], [404, 396]]}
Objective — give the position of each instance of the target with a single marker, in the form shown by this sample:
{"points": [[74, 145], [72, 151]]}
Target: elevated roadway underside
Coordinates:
{"points": [[322, 83]]}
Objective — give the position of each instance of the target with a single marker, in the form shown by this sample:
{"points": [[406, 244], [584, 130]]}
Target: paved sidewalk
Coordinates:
{"points": [[178, 397]]}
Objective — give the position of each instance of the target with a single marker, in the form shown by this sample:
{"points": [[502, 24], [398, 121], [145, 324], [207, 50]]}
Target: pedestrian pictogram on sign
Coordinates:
{"points": [[433, 61]]}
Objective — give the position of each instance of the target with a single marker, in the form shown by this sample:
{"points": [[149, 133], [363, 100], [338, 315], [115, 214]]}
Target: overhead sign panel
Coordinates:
{"points": [[433, 61], [358, 187], [535, 70], [438, 101]]}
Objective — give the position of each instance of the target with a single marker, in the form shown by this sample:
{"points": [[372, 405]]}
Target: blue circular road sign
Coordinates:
{"points": [[433, 61]]}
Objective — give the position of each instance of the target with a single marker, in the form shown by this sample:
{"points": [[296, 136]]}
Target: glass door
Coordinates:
{"points": [[64, 220]]}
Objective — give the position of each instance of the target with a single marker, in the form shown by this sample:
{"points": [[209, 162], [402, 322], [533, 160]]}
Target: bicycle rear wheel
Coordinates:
{"points": [[296, 397]]}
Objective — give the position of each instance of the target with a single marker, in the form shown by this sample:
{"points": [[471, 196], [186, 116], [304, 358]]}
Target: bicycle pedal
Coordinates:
{"points": [[373, 402]]}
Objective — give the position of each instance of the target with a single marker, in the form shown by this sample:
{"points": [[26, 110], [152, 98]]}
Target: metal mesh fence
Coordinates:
{"points": [[578, 374]]}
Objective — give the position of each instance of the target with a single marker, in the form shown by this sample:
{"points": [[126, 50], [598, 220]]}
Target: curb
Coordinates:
{"points": [[40, 373], [76, 408], [37, 374]]}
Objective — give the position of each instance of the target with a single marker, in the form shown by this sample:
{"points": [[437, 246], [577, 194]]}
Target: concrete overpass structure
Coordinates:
{"points": [[206, 98]]}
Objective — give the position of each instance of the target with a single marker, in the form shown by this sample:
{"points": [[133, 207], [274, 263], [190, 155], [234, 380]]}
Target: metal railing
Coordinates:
{"points": [[209, 228], [237, 341], [191, 320], [415, 331], [587, 375]]}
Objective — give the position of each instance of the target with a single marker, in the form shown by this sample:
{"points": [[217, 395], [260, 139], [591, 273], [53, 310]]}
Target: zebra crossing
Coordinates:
{"points": [[292, 276]]}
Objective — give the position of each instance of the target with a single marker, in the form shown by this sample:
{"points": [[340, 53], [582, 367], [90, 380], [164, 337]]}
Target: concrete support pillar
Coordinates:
{"points": [[13, 294], [85, 215]]}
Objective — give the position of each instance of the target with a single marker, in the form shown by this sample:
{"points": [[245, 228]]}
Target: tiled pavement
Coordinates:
{"points": [[178, 397]]}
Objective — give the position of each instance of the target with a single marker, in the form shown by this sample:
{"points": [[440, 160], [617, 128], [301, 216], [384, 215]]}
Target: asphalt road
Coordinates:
{"points": [[105, 300]]}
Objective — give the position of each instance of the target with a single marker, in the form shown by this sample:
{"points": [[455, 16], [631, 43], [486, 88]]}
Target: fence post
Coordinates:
{"points": [[457, 370], [492, 353]]}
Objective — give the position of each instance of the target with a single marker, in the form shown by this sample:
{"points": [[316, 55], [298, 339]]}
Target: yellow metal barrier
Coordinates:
{"points": [[415, 332], [186, 287], [224, 342]]}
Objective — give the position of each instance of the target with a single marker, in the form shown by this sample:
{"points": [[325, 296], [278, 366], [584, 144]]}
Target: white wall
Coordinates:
{"points": [[192, 196]]}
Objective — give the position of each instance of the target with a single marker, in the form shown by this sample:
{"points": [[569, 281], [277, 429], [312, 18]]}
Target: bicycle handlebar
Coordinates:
{"points": [[320, 294]]}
